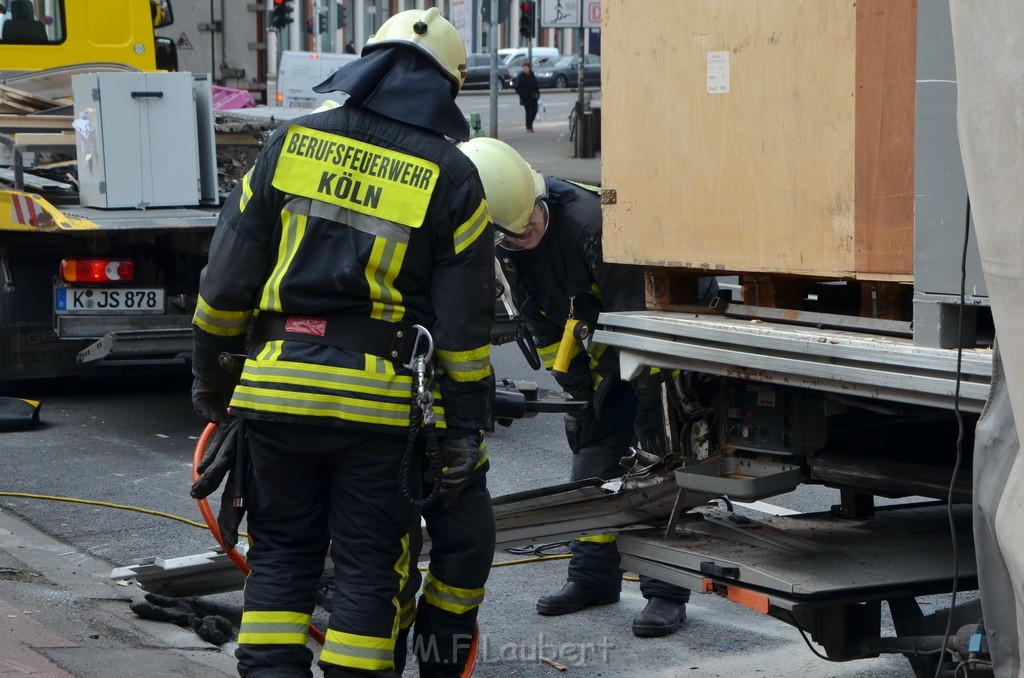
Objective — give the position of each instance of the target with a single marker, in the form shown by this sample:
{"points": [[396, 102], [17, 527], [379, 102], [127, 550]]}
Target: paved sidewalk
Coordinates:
{"points": [[62, 617], [550, 152]]}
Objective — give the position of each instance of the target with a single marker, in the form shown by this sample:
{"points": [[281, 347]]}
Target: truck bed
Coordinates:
{"points": [[839, 361]]}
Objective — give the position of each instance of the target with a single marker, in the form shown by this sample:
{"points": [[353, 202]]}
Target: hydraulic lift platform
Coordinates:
{"points": [[824, 575]]}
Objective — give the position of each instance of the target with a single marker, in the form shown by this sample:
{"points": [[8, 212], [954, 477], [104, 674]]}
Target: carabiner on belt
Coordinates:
{"points": [[423, 373]]}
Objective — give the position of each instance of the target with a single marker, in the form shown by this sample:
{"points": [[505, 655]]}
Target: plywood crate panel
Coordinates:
{"points": [[801, 162]]}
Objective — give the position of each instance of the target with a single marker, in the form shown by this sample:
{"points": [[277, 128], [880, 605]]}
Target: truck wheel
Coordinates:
{"points": [[561, 82]]}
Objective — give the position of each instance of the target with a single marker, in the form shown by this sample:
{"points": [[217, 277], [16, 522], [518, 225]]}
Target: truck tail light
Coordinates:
{"points": [[96, 270]]}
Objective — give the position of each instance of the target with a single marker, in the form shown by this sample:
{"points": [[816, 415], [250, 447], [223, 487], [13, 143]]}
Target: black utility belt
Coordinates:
{"points": [[396, 341]]}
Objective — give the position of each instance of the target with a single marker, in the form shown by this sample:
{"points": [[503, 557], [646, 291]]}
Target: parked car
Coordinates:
{"points": [[515, 66], [562, 71], [478, 76], [507, 55]]}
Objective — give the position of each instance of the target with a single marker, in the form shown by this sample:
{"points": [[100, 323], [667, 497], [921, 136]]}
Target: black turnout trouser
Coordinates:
{"points": [[312, 488], [461, 552], [595, 560]]}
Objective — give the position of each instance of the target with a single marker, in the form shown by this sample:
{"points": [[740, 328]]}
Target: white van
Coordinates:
{"points": [[300, 72], [508, 54]]}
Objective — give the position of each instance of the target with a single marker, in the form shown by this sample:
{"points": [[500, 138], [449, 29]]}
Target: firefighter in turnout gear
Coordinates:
{"points": [[358, 230], [560, 280]]}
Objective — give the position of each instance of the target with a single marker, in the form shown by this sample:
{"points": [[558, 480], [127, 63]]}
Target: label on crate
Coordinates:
{"points": [[718, 72]]}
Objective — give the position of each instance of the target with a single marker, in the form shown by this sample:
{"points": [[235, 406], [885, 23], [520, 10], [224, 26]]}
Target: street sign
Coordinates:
{"points": [[566, 13]]}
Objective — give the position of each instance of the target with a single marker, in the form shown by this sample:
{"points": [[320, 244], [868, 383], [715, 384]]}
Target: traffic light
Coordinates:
{"points": [[279, 15], [322, 23], [342, 15], [527, 18]]}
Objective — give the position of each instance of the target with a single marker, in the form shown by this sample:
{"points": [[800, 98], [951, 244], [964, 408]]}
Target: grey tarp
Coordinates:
{"points": [[988, 39]]}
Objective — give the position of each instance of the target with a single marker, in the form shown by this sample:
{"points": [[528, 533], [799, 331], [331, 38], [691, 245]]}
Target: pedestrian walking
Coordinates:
{"points": [[529, 94]]}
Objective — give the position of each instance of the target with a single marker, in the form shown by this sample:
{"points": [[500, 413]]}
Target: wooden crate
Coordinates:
{"points": [[804, 166]]}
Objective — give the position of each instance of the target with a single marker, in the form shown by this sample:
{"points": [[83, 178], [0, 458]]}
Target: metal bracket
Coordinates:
{"points": [[5, 265], [212, 27], [609, 196]]}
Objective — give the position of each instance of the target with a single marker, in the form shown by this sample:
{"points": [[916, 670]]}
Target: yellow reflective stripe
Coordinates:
{"points": [[547, 354], [450, 598], [369, 653], [261, 627], [596, 351], [327, 377], [407, 616], [402, 568], [220, 323], [359, 176], [471, 365], [293, 228], [381, 270], [246, 190], [586, 187], [598, 538], [271, 351], [321, 405], [482, 461], [468, 232]]}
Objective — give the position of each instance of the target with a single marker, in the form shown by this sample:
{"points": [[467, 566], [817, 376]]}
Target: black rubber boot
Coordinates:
{"points": [[574, 597], [659, 618]]}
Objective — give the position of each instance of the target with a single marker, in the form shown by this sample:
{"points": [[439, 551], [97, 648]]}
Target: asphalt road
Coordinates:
{"points": [[129, 441]]}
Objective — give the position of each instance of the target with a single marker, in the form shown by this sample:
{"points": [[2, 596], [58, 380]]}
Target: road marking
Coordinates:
{"points": [[765, 507]]}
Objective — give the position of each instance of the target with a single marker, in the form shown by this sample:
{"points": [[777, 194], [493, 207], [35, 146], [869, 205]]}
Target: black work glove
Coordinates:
{"points": [[225, 457], [463, 459], [210, 400], [229, 517], [185, 612], [649, 424], [165, 608], [219, 458], [213, 628], [581, 428]]}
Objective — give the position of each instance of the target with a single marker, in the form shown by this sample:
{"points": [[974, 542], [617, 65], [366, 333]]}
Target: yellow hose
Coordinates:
{"points": [[193, 523]]}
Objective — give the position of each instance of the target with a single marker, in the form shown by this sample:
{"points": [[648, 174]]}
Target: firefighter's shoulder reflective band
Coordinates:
{"points": [[362, 177]]}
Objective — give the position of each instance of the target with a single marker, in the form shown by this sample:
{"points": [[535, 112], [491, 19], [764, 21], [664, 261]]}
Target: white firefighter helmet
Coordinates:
{"points": [[540, 184], [430, 33], [508, 182]]}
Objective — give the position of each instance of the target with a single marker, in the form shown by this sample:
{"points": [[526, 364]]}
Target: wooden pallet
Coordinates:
{"points": [[19, 101], [677, 290]]}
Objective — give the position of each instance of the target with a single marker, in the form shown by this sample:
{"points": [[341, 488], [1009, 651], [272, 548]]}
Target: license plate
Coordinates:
{"points": [[122, 300]]}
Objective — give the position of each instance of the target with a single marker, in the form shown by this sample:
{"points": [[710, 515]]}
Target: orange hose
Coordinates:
{"points": [[211, 520], [474, 647]]}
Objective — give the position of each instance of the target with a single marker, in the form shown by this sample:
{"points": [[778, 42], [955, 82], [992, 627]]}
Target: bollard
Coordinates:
{"points": [[474, 125]]}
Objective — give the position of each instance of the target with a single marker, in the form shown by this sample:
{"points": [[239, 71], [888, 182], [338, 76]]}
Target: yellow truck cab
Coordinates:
{"points": [[41, 34]]}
